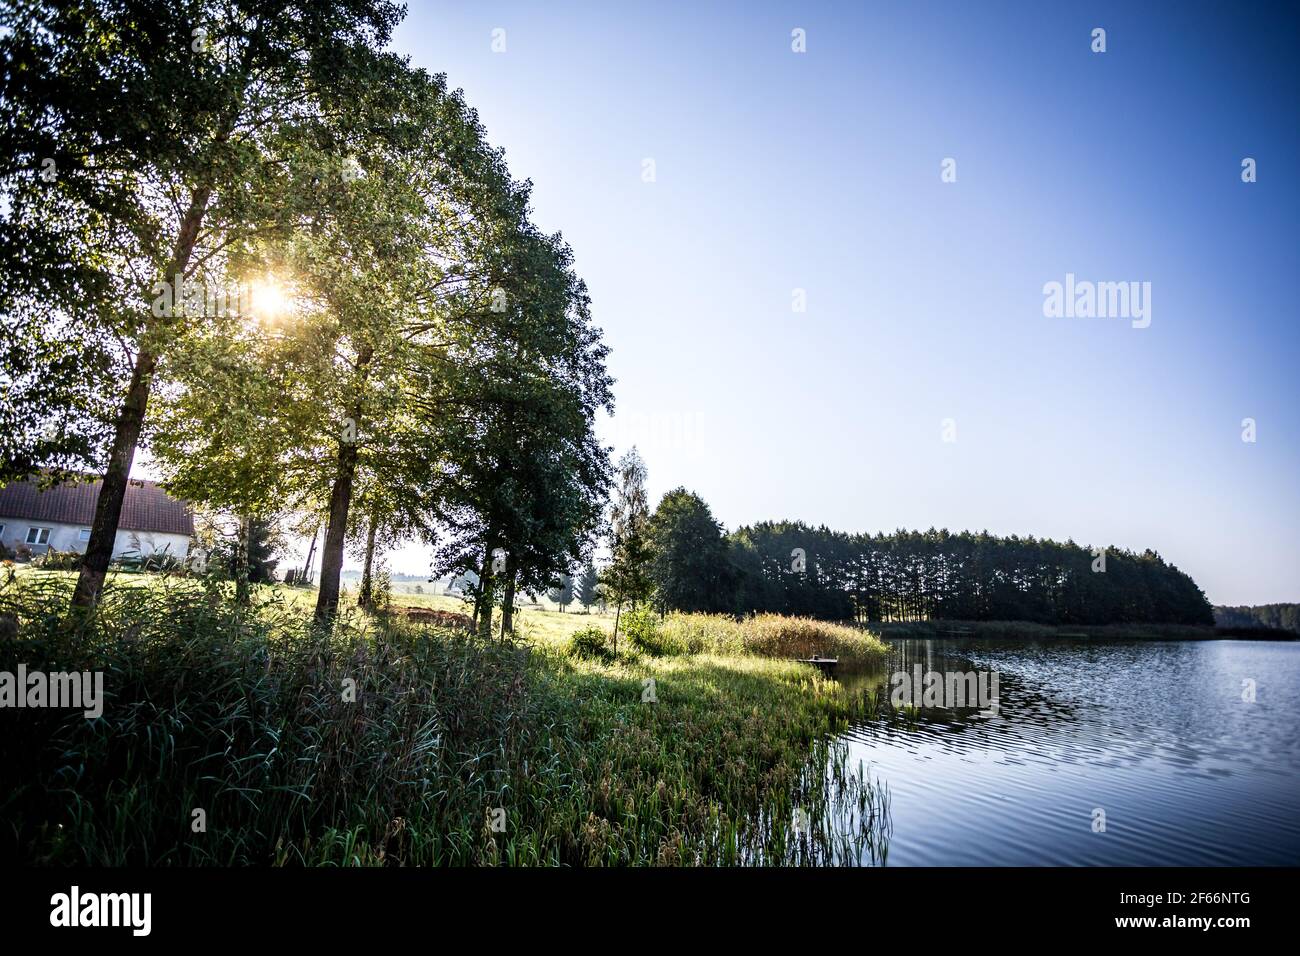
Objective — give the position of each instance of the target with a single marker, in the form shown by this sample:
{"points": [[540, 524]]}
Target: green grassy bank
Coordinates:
{"points": [[234, 736]]}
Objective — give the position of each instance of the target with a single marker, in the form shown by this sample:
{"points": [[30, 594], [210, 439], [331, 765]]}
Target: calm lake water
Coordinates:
{"points": [[1155, 734]]}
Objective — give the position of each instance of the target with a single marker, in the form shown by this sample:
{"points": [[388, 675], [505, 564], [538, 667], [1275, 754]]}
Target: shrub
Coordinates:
{"points": [[645, 635], [53, 560], [590, 643]]}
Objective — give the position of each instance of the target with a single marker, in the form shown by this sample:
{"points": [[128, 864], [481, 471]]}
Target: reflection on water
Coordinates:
{"points": [[1155, 734]]}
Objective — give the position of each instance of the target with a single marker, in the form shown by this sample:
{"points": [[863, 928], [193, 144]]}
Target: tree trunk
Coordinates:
{"points": [[311, 554], [336, 529], [130, 422], [243, 544], [331, 555], [485, 593], [366, 600], [508, 606], [617, 611]]}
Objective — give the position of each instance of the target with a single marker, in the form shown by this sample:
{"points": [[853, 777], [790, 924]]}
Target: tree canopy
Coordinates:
{"points": [[293, 266]]}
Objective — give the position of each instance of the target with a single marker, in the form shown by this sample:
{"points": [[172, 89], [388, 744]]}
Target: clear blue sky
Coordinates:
{"points": [[821, 171]]}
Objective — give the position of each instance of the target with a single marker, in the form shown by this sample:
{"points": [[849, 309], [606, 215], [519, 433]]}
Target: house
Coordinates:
{"points": [[60, 517]]}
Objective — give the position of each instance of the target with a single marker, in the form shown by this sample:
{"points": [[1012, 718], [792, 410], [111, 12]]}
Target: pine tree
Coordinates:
{"points": [[562, 592], [587, 589]]}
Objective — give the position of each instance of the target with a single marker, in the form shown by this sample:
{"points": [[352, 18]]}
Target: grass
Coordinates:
{"points": [[454, 751], [770, 635]]}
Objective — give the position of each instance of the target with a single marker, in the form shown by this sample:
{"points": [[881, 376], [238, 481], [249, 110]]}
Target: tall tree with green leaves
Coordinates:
{"points": [[216, 99], [627, 579], [337, 390], [524, 478], [689, 565]]}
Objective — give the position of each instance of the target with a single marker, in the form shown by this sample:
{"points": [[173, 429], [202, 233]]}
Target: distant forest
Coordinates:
{"points": [[1285, 617], [791, 568]]}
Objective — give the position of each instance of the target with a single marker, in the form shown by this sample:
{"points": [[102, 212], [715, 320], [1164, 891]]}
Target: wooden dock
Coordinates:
{"points": [[824, 664]]}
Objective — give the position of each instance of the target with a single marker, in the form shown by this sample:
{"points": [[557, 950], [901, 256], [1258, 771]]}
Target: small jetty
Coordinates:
{"points": [[824, 664]]}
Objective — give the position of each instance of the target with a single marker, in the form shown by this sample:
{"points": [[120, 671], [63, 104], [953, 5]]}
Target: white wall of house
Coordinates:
{"points": [[71, 537], [150, 542]]}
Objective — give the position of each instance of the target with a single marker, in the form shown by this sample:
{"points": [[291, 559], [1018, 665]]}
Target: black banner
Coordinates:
{"points": [[333, 906]]}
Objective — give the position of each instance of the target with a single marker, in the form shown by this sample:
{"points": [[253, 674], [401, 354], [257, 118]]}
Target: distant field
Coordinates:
{"points": [[532, 623]]}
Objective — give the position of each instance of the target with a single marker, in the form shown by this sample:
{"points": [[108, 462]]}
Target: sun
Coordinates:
{"points": [[269, 298]]}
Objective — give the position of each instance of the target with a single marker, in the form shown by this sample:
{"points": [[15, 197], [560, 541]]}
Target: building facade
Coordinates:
{"points": [[60, 518]]}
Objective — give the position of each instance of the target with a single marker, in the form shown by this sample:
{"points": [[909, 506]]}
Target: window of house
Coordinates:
{"points": [[83, 534], [2, 531], [38, 535]]}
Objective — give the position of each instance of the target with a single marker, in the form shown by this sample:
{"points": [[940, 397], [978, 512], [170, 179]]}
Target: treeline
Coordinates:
{"points": [[1285, 617], [792, 568]]}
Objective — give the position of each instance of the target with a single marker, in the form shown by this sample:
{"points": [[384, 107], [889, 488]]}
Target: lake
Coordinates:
{"points": [[1154, 735]]}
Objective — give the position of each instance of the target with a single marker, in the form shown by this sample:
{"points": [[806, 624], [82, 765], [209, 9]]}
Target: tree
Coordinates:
{"points": [[587, 588], [216, 99], [627, 579], [689, 566], [324, 406], [523, 479], [936, 575], [562, 592], [264, 546]]}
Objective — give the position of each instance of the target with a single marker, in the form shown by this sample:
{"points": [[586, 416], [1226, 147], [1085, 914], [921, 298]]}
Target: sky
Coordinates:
{"points": [[922, 384]]}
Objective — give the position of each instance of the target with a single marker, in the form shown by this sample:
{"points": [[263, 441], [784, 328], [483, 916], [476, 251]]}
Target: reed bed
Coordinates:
{"points": [[768, 635]]}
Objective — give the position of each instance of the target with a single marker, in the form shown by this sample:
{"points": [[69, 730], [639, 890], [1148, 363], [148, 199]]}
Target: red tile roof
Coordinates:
{"points": [[146, 507]]}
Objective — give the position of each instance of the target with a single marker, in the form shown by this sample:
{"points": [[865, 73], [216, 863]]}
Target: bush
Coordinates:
{"points": [[163, 561], [53, 560], [643, 632], [590, 643]]}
